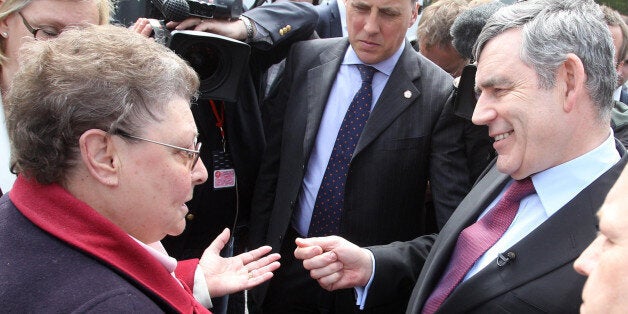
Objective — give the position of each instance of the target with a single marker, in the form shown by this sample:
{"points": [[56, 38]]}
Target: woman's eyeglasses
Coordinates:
{"points": [[192, 154], [40, 33]]}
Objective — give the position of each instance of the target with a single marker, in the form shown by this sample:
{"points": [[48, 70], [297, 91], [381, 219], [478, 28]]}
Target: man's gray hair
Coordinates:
{"points": [[551, 29]]}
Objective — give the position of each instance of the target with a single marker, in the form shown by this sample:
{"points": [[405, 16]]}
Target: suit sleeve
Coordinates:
{"points": [[449, 168], [397, 267], [286, 22], [185, 271]]}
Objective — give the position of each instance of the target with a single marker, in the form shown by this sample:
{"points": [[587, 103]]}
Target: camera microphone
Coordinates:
{"points": [[173, 10], [179, 10]]}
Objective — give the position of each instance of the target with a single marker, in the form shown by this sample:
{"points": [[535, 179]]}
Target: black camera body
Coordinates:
{"points": [[219, 61], [219, 9]]}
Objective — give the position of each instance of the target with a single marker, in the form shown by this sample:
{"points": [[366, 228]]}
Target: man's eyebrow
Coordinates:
{"points": [[390, 10], [493, 81]]}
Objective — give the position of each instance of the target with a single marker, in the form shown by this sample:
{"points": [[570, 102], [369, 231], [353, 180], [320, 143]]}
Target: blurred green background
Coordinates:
{"points": [[619, 5]]}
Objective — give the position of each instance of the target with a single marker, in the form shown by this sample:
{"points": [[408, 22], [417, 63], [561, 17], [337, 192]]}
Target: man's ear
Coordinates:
{"points": [[573, 76], [415, 12], [98, 153]]}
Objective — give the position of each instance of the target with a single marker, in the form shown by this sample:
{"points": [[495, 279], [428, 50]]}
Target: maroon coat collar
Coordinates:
{"points": [[53, 209]]}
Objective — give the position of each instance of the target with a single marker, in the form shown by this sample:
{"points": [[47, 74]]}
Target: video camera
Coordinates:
{"points": [[219, 61], [178, 10]]}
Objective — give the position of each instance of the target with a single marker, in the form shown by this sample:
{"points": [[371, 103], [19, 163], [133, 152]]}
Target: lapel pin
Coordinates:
{"points": [[407, 94]]}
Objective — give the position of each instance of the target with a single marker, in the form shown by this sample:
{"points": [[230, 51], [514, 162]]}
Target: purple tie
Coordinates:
{"points": [[476, 239], [331, 194]]}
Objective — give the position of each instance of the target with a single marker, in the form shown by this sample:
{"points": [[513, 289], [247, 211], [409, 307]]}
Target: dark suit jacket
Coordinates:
{"points": [[541, 278], [329, 23], [405, 141]]}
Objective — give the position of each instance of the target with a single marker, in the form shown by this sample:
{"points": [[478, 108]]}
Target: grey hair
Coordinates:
{"points": [[96, 77], [551, 29]]}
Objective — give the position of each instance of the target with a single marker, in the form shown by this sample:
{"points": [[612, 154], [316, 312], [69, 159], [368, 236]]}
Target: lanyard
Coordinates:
{"points": [[220, 121]]}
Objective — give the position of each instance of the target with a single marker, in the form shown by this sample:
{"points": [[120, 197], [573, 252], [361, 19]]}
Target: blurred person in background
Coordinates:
{"points": [[619, 32], [434, 39], [435, 42]]}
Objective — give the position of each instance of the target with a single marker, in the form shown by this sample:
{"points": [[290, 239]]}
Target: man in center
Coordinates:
{"points": [[359, 126]]}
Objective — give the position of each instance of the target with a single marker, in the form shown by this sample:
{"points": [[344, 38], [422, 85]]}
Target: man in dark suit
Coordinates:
{"points": [[404, 142], [545, 78], [329, 19]]}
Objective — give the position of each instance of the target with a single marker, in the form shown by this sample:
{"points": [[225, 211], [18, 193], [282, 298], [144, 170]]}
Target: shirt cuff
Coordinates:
{"points": [[200, 290], [362, 292], [260, 34]]}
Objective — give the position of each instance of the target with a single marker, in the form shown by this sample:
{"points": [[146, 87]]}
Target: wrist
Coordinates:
{"points": [[248, 26]]}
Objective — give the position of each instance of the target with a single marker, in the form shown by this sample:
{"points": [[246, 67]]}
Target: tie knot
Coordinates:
{"points": [[366, 72], [520, 189]]}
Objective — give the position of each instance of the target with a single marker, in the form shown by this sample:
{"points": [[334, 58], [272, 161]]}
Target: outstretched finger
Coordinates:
{"points": [[254, 255], [262, 262]]}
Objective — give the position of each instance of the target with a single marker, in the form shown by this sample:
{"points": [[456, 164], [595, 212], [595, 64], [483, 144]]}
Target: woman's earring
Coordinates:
{"points": [[5, 34]]}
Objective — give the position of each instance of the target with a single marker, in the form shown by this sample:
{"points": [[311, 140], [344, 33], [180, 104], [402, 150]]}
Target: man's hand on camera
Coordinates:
{"points": [[230, 28]]}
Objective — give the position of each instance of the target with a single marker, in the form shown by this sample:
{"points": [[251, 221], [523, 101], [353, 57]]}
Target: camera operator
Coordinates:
{"points": [[269, 30]]}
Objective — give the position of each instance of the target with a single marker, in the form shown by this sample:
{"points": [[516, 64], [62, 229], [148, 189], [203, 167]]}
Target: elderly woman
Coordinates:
{"points": [[105, 146], [23, 20]]}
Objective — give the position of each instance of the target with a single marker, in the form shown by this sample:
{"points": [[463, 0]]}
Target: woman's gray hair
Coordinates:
{"points": [[551, 29], [96, 77]]}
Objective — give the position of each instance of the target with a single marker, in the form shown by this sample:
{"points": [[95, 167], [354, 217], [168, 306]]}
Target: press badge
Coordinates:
{"points": [[224, 174]]}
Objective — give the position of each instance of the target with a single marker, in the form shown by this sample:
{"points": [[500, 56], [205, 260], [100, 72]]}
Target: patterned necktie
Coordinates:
{"points": [[476, 239], [330, 198]]}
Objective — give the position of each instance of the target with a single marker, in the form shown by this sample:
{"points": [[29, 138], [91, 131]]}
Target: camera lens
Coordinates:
{"points": [[205, 59]]}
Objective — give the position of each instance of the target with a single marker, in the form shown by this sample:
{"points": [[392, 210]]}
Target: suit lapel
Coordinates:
{"points": [[467, 212], [551, 245], [320, 79], [394, 98]]}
